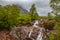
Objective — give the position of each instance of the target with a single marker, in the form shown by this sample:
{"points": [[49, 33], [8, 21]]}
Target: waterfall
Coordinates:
{"points": [[36, 23], [40, 35], [30, 32]]}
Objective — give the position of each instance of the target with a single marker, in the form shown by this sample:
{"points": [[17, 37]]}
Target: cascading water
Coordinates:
{"points": [[39, 37], [40, 33], [30, 32], [35, 23]]}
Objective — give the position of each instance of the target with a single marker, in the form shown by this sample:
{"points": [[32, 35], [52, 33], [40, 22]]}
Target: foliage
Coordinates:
{"points": [[55, 5], [57, 18], [50, 16], [33, 13], [51, 37], [43, 17], [58, 30], [9, 16], [24, 19], [28, 18]]}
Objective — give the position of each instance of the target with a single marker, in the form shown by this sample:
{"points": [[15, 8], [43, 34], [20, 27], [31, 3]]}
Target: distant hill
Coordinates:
{"points": [[22, 9]]}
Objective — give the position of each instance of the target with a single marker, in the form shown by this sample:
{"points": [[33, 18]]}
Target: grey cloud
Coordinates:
{"points": [[42, 6], [43, 11]]}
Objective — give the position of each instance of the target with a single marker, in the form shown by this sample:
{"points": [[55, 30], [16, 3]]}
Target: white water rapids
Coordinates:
{"points": [[39, 37]]}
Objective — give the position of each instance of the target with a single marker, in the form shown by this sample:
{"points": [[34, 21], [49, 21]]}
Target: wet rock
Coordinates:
{"points": [[28, 39], [35, 33], [4, 35], [19, 33]]}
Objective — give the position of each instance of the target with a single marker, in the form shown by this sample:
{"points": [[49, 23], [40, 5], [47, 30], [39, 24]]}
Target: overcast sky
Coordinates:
{"points": [[42, 6]]}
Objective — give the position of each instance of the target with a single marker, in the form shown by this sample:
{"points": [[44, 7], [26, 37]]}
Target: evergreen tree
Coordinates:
{"points": [[33, 12]]}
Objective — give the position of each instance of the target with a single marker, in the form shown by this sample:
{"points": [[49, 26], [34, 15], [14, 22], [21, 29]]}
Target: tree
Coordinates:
{"points": [[9, 16], [33, 12], [55, 5]]}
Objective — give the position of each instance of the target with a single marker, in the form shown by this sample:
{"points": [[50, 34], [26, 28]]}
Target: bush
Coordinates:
{"points": [[24, 19], [57, 18], [51, 37], [9, 16], [58, 30]]}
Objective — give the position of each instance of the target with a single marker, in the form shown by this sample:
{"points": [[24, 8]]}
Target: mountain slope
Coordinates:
{"points": [[22, 9]]}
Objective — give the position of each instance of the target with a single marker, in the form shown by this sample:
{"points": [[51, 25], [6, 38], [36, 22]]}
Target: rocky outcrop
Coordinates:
{"points": [[5, 35]]}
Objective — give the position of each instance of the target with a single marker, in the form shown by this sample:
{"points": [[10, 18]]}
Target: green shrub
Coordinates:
{"points": [[58, 30], [9, 16], [24, 19], [51, 37]]}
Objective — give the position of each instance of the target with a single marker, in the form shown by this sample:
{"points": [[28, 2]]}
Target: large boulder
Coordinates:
{"points": [[49, 24]]}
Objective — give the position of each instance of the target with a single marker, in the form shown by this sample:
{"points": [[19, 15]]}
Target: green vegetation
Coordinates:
{"points": [[28, 18], [51, 37], [58, 30], [50, 16], [55, 5], [11, 15], [33, 13], [24, 19]]}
